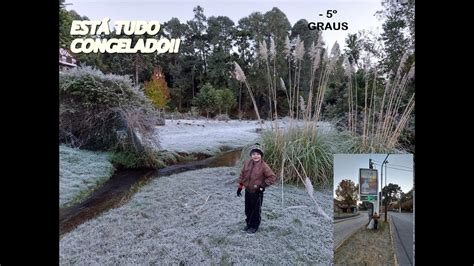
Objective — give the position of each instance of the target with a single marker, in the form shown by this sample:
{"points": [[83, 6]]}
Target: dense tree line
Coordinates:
{"points": [[210, 45]]}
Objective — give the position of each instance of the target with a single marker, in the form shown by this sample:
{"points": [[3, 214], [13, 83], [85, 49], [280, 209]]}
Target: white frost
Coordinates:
{"points": [[195, 218], [80, 170], [207, 136]]}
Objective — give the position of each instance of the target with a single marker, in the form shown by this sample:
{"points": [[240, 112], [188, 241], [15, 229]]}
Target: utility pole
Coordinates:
{"points": [[381, 183], [371, 166], [399, 203], [386, 204]]}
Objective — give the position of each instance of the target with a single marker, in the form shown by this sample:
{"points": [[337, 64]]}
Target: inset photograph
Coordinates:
{"points": [[373, 209]]}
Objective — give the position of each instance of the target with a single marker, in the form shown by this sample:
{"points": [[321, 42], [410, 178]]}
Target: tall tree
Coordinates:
{"points": [[65, 21], [180, 67], [353, 48], [391, 192], [398, 19], [252, 32], [198, 28], [220, 33], [347, 192], [243, 42], [255, 25], [277, 27]]}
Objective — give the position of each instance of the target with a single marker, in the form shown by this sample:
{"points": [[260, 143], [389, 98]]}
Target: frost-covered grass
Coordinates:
{"points": [[208, 136], [195, 218], [80, 172]]}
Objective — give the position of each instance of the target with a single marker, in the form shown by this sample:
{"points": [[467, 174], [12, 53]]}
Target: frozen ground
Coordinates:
{"points": [[80, 171], [195, 218], [207, 136]]}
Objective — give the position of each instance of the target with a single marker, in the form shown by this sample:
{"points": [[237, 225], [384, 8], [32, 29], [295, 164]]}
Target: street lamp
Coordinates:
{"points": [[381, 182]]}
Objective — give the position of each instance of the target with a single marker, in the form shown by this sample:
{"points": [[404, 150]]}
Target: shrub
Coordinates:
{"points": [[157, 89], [104, 112], [222, 117], [207, 100]]}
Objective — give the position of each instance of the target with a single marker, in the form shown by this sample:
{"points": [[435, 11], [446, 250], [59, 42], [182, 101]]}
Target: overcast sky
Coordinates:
{"points": [[359, 14], [399, 168]]}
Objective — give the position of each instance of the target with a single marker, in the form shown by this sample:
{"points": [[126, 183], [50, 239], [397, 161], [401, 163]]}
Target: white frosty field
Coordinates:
{"points": [[81, 171], [195, 218], [207, 136]]}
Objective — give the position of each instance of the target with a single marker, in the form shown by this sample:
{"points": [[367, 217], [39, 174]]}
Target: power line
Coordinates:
{"points": [[402, 166], [406, 170], [396, 168]]}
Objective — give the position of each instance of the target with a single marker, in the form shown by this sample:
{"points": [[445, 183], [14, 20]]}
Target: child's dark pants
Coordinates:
{"points": [[253, 208]]}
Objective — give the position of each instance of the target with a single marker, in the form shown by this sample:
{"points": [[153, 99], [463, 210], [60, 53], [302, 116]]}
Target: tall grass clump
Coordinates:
{"points": [[384, 114], [299, 153], [304, 153], [301, 150]]}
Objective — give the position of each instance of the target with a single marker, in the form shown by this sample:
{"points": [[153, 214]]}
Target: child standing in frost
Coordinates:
{"points": [[255, 176]]}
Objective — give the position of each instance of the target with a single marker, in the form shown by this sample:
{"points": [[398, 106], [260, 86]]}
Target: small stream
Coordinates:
{"points": [[117, 190]]}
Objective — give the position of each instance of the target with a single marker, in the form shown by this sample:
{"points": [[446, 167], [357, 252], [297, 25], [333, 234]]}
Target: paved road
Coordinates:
{"points": [[403, 236], [348, 226]]}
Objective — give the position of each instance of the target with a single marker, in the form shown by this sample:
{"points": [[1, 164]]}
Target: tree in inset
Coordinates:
{"points": [[346, 192], [390, 194]]}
